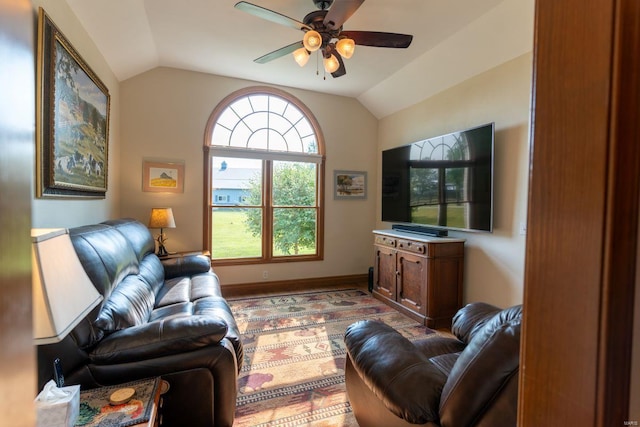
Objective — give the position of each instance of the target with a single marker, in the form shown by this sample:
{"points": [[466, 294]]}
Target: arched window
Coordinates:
{"points": [[264, 177]]}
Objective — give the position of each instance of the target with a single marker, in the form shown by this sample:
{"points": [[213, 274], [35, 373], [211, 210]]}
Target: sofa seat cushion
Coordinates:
{"points": [[187, 289], [445, 362], [162, 337], [212, 306]]}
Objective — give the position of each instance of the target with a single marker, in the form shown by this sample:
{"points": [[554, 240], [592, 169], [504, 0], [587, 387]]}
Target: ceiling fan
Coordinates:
{"points": [[323, 32]]}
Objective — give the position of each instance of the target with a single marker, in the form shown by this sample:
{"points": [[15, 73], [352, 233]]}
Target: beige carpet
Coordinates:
{"points": [[293, 372]]}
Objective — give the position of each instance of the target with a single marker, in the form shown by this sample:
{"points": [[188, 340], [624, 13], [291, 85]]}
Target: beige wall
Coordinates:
{"points": [[69, 213], [494, 262], [164, 114]]}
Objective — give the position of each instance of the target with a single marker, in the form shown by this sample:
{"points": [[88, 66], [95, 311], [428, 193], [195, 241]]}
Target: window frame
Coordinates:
{"points": [[268, 157]]}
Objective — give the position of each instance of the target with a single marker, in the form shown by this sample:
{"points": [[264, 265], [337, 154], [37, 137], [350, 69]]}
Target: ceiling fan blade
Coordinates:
{"points": [[341, 71], [339, 12], [270, 15], [379, 39], [278, 53]]}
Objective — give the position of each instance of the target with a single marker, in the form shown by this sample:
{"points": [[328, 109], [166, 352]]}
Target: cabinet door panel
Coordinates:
{"points": [[412, 281], [445, 293], [385, 272]]}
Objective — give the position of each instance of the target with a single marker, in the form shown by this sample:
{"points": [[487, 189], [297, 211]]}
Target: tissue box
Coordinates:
{"points": [[59, 412]]}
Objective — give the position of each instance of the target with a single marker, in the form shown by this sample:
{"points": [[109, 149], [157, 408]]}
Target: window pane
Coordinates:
{"points": [[294, 184], [277, 104], [259, 102], [294, 231], [236, 233], [236, 181]]}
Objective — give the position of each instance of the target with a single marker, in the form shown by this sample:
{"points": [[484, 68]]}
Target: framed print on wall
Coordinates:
{"points": [[163, 177], [349, 185], [72, 121]]}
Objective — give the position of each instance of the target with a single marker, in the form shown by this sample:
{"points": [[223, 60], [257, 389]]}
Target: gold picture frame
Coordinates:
{"points": [[72, 120], [162, 177]]}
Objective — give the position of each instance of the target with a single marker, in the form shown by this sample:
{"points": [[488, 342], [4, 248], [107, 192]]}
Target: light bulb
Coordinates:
{"points": [[312, 40], [301, 56], [331, 64], [346, 47]]}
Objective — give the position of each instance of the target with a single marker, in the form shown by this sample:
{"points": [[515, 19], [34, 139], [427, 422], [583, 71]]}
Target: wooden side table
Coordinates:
{"points": [[97, 403]]}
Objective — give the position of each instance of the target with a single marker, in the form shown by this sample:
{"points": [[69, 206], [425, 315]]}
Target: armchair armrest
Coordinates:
{"points": [[186, 265], [160, 338], [470, 319], [393, 369]]}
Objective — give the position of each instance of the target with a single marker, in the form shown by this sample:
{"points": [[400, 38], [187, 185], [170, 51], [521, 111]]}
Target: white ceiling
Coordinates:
{"points": [[212, 36]]}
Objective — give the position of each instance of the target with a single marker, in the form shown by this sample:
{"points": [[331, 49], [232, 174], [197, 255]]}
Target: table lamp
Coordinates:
{"points": [[161, 218], [62, 292]]}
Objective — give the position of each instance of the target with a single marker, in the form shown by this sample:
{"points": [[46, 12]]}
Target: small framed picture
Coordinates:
{"points": [[161, 177], [350, 185]]}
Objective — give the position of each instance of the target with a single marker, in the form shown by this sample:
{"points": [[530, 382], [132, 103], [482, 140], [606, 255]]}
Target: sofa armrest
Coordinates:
{"points": [[390, 365], [470, 319], [186, 265], [160, 338]]}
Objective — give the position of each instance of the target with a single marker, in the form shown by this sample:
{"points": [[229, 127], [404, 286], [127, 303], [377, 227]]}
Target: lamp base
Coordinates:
{"points": [[162, 251]]}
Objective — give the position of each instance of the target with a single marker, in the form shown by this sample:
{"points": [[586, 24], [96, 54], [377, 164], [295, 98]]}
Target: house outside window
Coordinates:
{"points": [[264, 171]]}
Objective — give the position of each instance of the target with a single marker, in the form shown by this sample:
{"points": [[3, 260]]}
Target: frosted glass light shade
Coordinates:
{"points": [[301, 56], [312, 40], [346, 47], [331, 64], [62, 292]]}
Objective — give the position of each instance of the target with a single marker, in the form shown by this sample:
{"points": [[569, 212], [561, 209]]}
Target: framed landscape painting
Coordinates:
{"points": [[163, 177], [350, 185], [72, 121]]}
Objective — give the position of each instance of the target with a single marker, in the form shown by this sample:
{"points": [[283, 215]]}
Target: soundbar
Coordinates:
{"points": [[427, 231]]}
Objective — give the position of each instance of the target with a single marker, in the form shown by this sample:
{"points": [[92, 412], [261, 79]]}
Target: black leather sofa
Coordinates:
{"points": [[159, 318], [471, 380]]}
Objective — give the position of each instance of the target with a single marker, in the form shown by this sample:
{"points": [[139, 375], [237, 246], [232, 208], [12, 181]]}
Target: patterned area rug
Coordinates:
{"points": [[293, 371]]}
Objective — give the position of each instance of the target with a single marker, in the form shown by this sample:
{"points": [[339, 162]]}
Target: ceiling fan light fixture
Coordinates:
{"points": [[331, 64], [301, 56], [312, 40], [346, 47]]}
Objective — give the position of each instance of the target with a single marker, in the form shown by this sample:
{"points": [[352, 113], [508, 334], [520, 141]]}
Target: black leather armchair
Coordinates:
{"points": [[159, 318], [440, 381]]}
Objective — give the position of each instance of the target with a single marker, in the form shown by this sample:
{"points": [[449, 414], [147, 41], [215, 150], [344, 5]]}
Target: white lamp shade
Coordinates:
{"points": [[346, 47], [312, 40], [331, 64], [301, 56], [62, 292]]}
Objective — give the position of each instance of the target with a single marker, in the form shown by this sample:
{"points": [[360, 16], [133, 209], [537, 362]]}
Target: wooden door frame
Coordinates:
{"points": [[582, 238]]}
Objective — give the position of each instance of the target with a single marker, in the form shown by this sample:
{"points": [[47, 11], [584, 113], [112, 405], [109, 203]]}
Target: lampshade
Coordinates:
{"points": [[301, 56], [161, 218], [331, 64], [62, 292], [312, 40], [346, 47]]}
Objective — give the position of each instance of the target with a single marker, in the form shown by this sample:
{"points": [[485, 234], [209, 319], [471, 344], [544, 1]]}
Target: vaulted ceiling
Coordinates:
{"points": [[453, 40]]}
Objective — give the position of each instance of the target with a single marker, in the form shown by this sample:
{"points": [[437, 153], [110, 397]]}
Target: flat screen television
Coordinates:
{"points": [[442, 182]]}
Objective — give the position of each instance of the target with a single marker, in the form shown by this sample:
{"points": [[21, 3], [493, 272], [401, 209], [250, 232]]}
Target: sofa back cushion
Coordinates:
{"points": [[489, 362], [105, 255], [119, 260]]}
